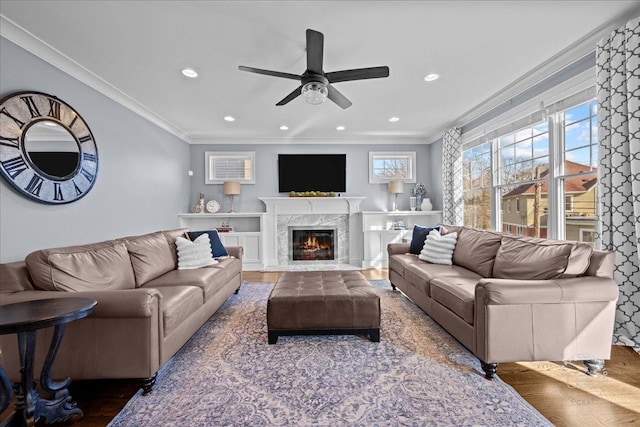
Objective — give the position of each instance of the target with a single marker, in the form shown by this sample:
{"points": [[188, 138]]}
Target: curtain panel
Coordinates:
{"points": [[452, 206], [618, 91]]}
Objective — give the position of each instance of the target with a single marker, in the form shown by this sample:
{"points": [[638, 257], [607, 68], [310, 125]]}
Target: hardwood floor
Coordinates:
{"points": [[563, 394]]}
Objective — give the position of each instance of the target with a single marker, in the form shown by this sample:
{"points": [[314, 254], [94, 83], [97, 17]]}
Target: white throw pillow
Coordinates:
{"points": [[438, 249], [194, 254]]}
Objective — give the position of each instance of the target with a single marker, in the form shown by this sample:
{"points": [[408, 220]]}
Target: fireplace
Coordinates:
{"points": [[312, 243]]}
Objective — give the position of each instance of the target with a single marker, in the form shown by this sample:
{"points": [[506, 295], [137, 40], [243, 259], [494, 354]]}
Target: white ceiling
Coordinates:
{"points": [[134, 50]]}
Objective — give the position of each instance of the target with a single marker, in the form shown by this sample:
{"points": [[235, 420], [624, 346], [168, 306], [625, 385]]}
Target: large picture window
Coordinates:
{"points": [[544, 176]]}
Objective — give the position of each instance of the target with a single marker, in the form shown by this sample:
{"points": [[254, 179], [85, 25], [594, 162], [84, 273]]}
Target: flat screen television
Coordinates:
{"points": [[312, 172]]}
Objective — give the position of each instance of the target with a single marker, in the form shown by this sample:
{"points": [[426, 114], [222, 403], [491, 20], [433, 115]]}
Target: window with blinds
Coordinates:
{"points": [[230, 166]]}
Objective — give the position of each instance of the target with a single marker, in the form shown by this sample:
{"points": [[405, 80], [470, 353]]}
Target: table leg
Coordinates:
{"points": [[5, 390], [61, 407], [26, 397]]}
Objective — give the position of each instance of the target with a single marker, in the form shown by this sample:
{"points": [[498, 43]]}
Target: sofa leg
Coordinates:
{"points": [[489, 369], [237, 290], [593, 366], [147, 384], [393, 287]]}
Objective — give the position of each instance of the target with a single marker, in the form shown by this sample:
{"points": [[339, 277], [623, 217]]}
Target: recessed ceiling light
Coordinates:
{"points": [[394, 119], [283, 127], [229, 119], [189, 72], [340, 128], [431, 77]]}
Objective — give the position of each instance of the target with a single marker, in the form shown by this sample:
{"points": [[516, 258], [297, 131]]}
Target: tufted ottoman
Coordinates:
{"points": [[323, 302]]}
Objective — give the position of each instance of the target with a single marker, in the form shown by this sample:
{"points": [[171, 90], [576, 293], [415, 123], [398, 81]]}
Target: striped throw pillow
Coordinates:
{"points": [[194, 254], [438, 249]]}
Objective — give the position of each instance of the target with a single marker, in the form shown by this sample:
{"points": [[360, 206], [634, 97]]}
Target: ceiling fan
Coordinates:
{"points": [[315, 84]]}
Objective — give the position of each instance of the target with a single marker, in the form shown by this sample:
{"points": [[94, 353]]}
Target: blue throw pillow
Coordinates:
{"points": [[420, 234], [217, 248]]}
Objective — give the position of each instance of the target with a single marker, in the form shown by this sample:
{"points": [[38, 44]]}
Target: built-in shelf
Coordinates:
{"points": [[381, 228], [248, 230]]}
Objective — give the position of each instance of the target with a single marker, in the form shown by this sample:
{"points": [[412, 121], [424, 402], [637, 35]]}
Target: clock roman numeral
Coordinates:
{"points": [[87, 174], [35, 185], [78, 190], [9, 142], [85, 138], [18, 122], [90, 157], [15, 166], [57, 191], [33, 109], [54, 109], [73, 121]]}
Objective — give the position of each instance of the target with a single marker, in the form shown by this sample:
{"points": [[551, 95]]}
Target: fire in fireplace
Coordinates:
{"points": [[312, 245]]}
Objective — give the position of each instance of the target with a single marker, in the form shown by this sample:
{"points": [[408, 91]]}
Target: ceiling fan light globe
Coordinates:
{"points": [[314, 93]]}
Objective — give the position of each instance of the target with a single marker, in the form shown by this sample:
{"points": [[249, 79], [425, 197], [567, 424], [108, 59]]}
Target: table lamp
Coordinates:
{"points": [[231, 188], [396, 187]]}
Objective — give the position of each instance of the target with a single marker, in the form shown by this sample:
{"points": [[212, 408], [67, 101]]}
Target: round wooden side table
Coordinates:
{"points": [[24, 319]]}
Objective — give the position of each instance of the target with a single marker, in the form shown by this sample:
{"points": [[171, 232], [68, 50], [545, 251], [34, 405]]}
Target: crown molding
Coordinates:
{"points": [[391, 140], [28, 41]]}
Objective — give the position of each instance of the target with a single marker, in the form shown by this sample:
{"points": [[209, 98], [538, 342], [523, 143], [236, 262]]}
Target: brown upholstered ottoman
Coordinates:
{"points": [[323, 302]]}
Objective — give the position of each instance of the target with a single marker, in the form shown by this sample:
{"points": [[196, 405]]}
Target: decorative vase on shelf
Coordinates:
{"points": [[426, 204]]}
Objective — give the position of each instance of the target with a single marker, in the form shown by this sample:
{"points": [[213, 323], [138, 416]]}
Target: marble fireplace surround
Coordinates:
{"points": [[332, 212]]}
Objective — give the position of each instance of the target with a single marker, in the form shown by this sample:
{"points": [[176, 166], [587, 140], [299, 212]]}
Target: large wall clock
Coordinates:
{"points": [[47, 151]]}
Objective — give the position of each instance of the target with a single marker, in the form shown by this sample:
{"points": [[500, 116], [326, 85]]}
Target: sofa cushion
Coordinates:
{"points": [[523, 259], [194, 254], [171, 236], [14, 277], [579, 258], [457, 294], [150, 256], [476, 250], [217, 248], [421, 274], [209, 279], [178, 303], [446, 229], [438, 249], [399, 262], [98, 266], [420, 234]]}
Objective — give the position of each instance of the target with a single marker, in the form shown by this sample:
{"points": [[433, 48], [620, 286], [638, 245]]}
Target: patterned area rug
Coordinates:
{"points": [[417, 374]]}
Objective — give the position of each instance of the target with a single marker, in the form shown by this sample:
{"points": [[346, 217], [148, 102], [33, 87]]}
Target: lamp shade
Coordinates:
{"points": [[396, 187], [231, 188]]}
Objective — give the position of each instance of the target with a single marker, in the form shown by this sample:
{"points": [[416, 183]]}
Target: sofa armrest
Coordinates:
{"points": [[124, 303], [398, 248], [235, 251], [579, 289]]}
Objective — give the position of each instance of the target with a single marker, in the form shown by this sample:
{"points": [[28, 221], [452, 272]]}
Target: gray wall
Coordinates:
{"points": [[266, 184], [435, 174], [142, 181]]}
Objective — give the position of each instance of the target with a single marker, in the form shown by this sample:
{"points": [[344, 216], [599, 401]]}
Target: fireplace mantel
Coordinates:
{"points": [[312, 205], [317, 211]]}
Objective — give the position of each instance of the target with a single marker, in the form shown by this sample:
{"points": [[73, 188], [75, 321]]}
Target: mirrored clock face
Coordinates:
{"points": [[47, 151]]}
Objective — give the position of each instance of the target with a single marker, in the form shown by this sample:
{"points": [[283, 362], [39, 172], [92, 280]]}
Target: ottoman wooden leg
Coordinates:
{"points": [[273, 337]]}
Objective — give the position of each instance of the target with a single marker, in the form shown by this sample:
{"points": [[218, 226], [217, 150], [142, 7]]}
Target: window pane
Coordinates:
{"points": [[580, 219], [577, 135], [575, 114], [581, 156], [541, 145], [523, 150], [541, 128], [477, 209], [523, 134], [529, 217]]}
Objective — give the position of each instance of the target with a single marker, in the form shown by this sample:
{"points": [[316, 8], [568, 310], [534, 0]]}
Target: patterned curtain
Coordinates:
{"points": [[618, 74], [452, 178]]}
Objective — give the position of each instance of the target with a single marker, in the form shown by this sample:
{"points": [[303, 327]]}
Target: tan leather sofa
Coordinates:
{"points": [[147, 309], [511, 299]]}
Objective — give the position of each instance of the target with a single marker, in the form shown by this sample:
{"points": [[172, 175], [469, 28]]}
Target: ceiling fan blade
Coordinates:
{"points": [[270, 73], [296, 93], [338, 98], [358, 74], [315, 51]]}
